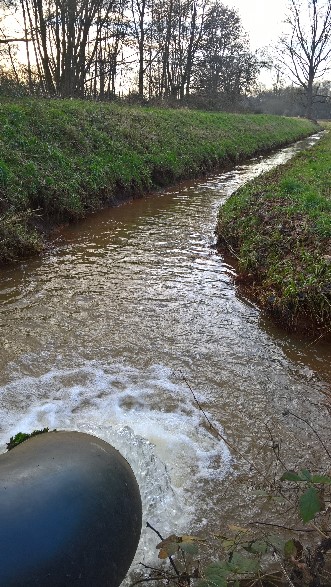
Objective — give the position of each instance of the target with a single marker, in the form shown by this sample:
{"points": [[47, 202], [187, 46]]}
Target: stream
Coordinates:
{"points": [[126, 316]]}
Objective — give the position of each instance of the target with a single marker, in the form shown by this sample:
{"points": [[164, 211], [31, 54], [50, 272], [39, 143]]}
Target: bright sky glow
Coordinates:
{"points": [[262, 19]]}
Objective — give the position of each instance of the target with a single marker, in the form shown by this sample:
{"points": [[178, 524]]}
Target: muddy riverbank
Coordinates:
{"points": [[62, 159]]}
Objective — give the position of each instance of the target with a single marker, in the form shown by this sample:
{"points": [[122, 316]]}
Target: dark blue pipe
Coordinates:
{"points": [[70, 513]]}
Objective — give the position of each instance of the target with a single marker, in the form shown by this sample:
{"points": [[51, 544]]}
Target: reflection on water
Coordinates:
{"points": [[103, 333]]}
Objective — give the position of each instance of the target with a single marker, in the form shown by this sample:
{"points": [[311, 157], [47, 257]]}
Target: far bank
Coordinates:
{"points": [[278, 227], [61, 159]]}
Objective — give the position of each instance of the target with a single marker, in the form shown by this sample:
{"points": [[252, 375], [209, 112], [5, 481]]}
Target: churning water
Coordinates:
{"points": [[107, 332]]}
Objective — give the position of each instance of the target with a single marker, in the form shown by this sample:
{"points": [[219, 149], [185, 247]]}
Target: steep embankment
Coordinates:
{"points": [[61, 159], [279, 227]]}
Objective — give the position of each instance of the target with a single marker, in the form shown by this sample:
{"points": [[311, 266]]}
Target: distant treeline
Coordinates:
{"points": [[145, 49], [192, 53], [291, 101]]}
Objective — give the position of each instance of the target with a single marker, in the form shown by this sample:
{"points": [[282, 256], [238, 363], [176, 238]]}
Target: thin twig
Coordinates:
{"points": [[150, 568], [148, 525], [230, 247], [222, 437], [275, 448], [280, 526], [278, 559], [287, 412], [147, 579], [169, 557], [267, 576]]}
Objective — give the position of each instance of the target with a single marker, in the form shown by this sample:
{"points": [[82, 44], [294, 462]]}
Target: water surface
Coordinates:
{"points": [[108, 331]]}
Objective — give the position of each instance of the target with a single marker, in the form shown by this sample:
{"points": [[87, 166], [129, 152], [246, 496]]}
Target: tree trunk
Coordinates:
{"points": [[27, 46], [141, 48], [43, 42], [309, 95]]}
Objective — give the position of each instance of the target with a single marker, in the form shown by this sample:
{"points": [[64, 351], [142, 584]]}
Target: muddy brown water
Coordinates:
{"points": [[106, 332]]}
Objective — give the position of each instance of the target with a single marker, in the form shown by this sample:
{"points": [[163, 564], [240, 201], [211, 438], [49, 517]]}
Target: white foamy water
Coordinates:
{"points": [[169, 451]]}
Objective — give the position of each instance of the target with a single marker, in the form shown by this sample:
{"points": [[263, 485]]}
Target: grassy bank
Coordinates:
{"points": [[279, 227], [61, 159]]}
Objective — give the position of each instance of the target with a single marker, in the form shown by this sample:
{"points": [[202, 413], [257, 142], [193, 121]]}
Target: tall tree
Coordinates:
{"points": [[177, 32], [70, 39], [305, 51], [226, 68], [139, 9]]}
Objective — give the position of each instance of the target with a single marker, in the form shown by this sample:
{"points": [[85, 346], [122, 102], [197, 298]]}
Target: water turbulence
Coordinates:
{"points": [[106, 332]]}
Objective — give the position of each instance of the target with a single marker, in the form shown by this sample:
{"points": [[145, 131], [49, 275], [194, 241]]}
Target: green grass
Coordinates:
{"points": [[280, 228], [60, 159]]}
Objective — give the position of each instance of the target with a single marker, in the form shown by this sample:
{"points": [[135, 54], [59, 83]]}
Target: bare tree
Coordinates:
{"points": [[176, 33], [226, 69], [139, 9], [306, 51]]}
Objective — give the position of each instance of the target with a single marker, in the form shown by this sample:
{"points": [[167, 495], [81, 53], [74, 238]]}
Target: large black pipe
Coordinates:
{"points": [[70, 513]]}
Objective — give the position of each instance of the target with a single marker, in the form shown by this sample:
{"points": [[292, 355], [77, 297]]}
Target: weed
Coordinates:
{"points": [[22, 436]]}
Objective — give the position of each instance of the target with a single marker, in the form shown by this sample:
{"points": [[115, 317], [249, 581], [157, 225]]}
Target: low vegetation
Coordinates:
{"points": [[60, 159], [22, 437], [279, 229]]}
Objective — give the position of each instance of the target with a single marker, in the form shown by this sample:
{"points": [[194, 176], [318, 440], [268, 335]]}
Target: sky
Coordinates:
{"points": [[262, 19]]}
